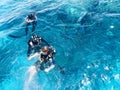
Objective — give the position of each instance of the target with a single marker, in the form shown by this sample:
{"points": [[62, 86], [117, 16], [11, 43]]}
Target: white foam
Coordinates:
{"points": [[85, 81], [111, 26], [88, 66], [106, 68], [117, 76]]}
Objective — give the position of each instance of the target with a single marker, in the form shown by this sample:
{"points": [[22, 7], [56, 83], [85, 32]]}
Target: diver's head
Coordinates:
{"points": [[31, 16], [45, 49], [34, 37]]}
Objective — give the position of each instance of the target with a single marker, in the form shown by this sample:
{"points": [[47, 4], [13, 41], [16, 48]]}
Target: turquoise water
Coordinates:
{"points": [[85, 33]]}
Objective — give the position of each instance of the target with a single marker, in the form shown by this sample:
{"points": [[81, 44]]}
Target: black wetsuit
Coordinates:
{"points": [[36, 45], [45, 60], [31, 17]]}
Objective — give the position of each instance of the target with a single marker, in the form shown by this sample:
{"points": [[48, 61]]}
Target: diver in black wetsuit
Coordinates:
{"points": [[35, 43], [31, 20], [45, 61]]}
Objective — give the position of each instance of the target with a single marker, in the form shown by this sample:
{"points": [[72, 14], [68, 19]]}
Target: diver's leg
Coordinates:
{"points": [[26, 29], [32, 71], [34, 25]]}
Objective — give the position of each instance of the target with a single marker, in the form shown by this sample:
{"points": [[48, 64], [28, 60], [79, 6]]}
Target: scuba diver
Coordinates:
{"points": [[35, 43], [45, 61], [31, 20]]}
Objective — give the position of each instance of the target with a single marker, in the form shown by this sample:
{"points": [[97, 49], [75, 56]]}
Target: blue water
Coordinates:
{"points": [[85, 33]]}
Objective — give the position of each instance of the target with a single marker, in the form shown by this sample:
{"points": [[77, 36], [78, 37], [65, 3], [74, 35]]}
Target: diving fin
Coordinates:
{"points": [[15, 36], [61, 69]]}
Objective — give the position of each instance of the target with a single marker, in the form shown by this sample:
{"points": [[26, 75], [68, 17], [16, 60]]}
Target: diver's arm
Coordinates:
{"points": [[33, 56], [51, 65], [31, 44], [50, 56]]}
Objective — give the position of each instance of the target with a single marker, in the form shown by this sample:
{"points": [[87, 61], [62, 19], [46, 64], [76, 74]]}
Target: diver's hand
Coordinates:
{"points": [[46, 70], [29, 58], [49, 68]]}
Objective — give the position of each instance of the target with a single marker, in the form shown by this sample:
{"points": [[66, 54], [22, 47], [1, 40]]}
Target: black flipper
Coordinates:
{"points": [[15, 36], [61, 69]]}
